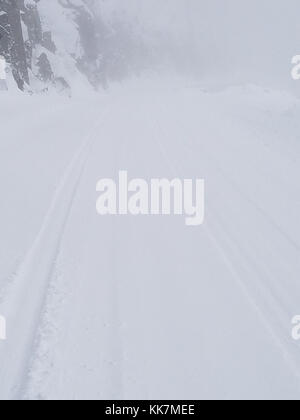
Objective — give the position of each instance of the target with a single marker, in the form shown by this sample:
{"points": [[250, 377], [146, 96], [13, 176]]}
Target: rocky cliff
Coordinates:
{"points": [[47, 43]]}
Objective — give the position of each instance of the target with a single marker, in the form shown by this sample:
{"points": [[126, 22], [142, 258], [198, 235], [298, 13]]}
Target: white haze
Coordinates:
{"points": [[236, 41], [144, 307]]}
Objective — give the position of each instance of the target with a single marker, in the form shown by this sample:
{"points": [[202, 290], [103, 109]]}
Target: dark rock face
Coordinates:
{"points": [[102, 52], [18, 52], [12, 45], [22, 52]]}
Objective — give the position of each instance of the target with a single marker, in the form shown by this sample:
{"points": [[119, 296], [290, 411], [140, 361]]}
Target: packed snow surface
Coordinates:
{"points": [[146, 307]]}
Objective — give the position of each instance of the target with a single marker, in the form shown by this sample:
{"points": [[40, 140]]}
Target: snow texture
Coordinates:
{"points": [[124, 307]]}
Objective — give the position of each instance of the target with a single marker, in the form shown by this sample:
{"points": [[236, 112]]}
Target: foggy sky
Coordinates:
{"points": [[242, 40]]}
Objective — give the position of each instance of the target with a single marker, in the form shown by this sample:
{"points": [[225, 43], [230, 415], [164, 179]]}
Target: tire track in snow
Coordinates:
{"points": [[277, 333], [24, 303]]}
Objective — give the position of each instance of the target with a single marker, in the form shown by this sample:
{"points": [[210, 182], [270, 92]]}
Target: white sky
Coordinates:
{"points": [[256, 37]]}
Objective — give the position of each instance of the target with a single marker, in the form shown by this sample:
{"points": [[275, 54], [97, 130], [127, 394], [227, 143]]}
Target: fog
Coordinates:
{"points": [[149, 171], [234, 40], [216, 42]]}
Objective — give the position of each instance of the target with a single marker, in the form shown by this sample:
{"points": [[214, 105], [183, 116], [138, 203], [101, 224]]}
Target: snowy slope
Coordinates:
{"points": [[63, 45], [130, 307], [63, 20]]}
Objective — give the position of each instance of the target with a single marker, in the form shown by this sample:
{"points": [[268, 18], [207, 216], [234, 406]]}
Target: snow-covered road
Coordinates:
{"points": [[146, 307]]}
